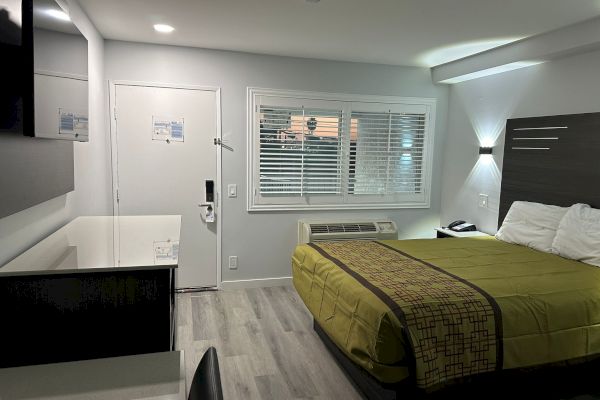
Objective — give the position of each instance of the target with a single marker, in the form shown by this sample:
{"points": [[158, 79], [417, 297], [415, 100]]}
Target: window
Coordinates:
{"points": [[300, 151], [325, 151]]}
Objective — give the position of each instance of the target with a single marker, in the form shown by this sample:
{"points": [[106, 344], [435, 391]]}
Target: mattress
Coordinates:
{"points": [[527, 307]]}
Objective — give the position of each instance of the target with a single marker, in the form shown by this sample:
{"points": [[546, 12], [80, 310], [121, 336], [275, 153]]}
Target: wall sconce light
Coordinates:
{"points": [[485, 150]]}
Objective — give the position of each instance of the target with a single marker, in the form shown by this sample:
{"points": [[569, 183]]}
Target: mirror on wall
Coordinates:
{"points": [[44, 71], [60, 65]]}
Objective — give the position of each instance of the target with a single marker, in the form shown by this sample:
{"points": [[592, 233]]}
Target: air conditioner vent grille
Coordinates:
{"points": [[319, 228], [362, 229], [345, 239], [342, 227], [367, 227]]}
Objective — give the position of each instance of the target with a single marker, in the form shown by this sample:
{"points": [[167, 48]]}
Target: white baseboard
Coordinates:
{"points": [[256, 283]]}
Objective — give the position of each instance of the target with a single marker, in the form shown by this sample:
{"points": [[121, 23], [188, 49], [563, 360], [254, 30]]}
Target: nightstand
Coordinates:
{"points": [[446, 233]]}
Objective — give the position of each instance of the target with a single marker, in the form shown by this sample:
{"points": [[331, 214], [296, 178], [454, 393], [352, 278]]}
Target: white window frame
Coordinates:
{"points": [[360, 202]]}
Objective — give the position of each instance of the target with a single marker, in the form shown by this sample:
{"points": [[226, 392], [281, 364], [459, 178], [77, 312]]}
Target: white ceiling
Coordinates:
{"points": [[398, 32], [42, 20]]}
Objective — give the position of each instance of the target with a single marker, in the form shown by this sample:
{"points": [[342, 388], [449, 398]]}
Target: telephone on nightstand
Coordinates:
{"points": [[462, 226]]}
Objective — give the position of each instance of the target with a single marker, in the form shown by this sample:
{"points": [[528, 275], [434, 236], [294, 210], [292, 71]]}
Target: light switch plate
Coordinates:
{"points": [[232, 190], [233, 262], [483, 200]]}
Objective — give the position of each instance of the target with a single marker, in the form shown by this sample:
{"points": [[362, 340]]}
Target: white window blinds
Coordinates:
{"points": [[324, 151], [386, 153], [300, 150]]}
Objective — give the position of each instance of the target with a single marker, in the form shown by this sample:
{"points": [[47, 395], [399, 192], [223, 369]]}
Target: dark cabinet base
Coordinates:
{"points": [[68, 317]]}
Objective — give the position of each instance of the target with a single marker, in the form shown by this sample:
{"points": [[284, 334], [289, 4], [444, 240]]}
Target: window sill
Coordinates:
{"points": [[334, 207]]}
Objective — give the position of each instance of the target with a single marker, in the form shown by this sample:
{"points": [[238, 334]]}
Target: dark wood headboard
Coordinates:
{"points": [[551, 160]]}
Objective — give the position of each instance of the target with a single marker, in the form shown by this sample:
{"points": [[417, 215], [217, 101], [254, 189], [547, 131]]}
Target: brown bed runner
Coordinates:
{"points": [[453, 326]]}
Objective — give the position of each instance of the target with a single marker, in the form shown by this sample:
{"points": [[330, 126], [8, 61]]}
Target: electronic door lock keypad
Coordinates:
{"points": [[209, 203], [209, 190]]}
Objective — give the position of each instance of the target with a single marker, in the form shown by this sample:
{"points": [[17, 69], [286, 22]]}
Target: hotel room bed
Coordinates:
{"points": [[436, 310]]}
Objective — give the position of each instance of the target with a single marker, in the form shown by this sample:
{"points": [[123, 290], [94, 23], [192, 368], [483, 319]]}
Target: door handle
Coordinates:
{"points": [[209, 211]]}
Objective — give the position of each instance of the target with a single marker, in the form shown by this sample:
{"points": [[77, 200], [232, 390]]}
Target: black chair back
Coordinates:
{"points": [[206, 384]]}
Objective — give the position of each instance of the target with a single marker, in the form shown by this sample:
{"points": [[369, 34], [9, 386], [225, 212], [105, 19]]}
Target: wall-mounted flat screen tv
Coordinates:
{"points": [[13, 81]]}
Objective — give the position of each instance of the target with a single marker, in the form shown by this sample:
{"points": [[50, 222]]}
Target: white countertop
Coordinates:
{"points": [[156, 376], [89, 244]]}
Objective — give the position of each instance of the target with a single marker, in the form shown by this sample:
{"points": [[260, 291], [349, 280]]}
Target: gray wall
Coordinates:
{"points": [[479, 108], [264, 241], [91, 165]]}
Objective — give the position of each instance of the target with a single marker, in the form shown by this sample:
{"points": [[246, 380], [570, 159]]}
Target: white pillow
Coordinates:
{"points": [[531, 224], [578, 235]]}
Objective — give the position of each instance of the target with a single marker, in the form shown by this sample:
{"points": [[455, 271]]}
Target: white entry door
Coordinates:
{"points": [[165, 153]]}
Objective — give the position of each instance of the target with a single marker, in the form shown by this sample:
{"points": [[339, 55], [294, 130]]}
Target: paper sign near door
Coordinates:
{"points": [[167, 129], [166, 252]]}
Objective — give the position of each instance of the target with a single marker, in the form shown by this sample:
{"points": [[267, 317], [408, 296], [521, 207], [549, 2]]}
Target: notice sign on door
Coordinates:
{"points": [[166, 253], [167, 129]]}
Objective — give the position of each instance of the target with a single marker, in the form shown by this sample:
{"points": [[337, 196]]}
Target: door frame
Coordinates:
{"points": [[114, 152]]}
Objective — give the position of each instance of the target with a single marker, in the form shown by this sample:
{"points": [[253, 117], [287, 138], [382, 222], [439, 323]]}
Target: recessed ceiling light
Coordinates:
{"points": [[58, 14], [313, 1], [163, 28]]}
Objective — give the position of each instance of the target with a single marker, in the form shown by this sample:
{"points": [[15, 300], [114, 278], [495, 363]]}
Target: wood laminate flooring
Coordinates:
{"points": [[267, 347], [265, 342]]}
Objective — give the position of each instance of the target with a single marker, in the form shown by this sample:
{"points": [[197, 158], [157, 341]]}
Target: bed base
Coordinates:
{"points": [[369, 387], [558, 381]]}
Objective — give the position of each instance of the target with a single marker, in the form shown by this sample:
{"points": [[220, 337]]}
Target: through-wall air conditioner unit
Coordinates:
{"points": [[375, 229]]}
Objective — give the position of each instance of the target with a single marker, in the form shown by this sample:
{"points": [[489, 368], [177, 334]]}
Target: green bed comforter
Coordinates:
{"points": [[446, 308]]}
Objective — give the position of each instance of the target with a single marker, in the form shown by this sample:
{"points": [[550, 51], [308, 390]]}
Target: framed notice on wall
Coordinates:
{"points": [[167, 129]]}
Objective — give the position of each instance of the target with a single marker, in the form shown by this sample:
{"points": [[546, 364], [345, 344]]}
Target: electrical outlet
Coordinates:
{"points": [[232, 190], [483, 200], [233, 262]]}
